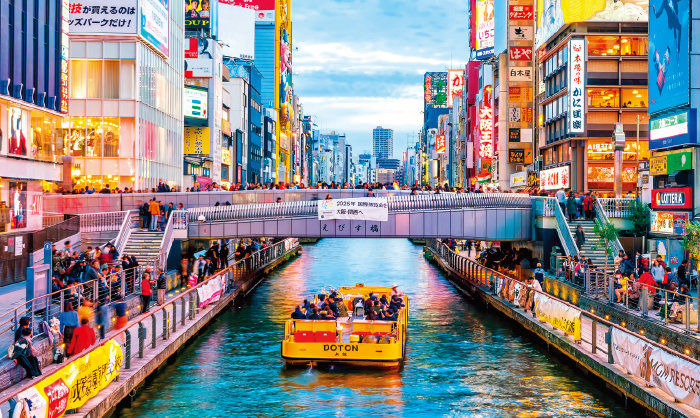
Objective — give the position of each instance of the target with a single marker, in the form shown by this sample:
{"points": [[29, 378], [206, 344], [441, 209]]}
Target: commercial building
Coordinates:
{"points": [[126, 99], [33, 100], [383, 142]]}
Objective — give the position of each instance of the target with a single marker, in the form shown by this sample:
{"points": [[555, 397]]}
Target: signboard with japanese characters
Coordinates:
{"points": [[520, 74], [576, 79], [520, 53], [672, 198], [519, 95], [518, 114], [669, 222], [486, 126], [555, 178], [455, 88], [520, 12], [514, 135], [435, 89], [103, 17], [521, 33], [440, 144], [359, 208], [516, 156]]}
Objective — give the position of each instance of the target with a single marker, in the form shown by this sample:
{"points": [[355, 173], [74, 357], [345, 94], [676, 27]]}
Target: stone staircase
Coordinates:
{"points": [[590, 248], [145, 245]]}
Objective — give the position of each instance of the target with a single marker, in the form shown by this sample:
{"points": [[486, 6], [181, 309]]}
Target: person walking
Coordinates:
{"points": [[146, 292], [145, 213], [83, 338], [162, 285], [561, 199], [580, 237], [571, 207]]}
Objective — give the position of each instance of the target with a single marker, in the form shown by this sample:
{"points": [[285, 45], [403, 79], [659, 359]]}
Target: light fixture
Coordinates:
{"points": [[641, 331], [635, 91], [687, 351], [623, 323], [663, 341]]}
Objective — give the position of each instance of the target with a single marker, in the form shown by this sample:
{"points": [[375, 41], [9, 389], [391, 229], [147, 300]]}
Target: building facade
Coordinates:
{"points": [[382, 142]]}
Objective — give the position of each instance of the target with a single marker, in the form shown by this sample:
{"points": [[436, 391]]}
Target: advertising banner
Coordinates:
{"points": [[672, 198], [197, 140], [674, 375], [197, 17], [555, 178], [559, 315], [486, 126], [360, 209], [435, 89], [199, 61], [154, 25], [678, 129], [519, 12], [196, 99], [518, 179], [519, 95], [102, 17], [520, 53], [211, 291], [521, 33], [519, 156], [669, 222], [669, 60], [455, 87], [520, 74], [552, 15], [440, 144], [74, 384], [629, 352], [485, 27], [576, 87], [264, 10], [668, 164]]}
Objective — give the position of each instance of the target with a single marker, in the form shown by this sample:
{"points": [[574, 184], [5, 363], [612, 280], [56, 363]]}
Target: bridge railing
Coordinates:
{"points": [[602, 217], [596, 336], [549, 207], [395, 203], [102, 221], [616, 207]]}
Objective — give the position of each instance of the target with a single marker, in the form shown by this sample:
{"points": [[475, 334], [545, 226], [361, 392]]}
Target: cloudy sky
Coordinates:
{"points": [[359, 63]]}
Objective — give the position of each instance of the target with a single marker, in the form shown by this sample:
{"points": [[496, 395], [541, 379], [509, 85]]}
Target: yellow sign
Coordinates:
{"points": [[196, 140], [657, 166], [560, 315], [225, 156], [74, 384]]}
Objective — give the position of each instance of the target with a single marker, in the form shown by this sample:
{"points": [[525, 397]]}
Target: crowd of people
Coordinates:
{"points": [[332, 306]]}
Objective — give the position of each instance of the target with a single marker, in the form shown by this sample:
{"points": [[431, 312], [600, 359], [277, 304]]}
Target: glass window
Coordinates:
{"points": [[111, 86], [603, 97], [93, 135], [603, 45], [634, 97], [94, 79], [126, 79], [74, 142], [78, 79], [634, 46], [111, 137]]}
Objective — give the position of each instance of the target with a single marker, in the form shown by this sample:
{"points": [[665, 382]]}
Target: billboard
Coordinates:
{"points": [[576, 69], [672, 198], [677, 129], [552, 15], [197, 140], [455, 87], [102, 16], [485, 27], [435, 89], [440, 144], [197, 16], [238, 40], [669, 81], [154, 24], [486, 126], [195, 106], [669, 222], [199, 56], [263, 10], [555, 178]]}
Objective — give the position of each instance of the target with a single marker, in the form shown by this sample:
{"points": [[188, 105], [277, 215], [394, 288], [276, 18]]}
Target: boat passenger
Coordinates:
{"points": [[314, 314], [298, 314], [326, 316], [395, 291], [370, 314], [332, 306], [384, 301], [306, 304], [342, 308]]}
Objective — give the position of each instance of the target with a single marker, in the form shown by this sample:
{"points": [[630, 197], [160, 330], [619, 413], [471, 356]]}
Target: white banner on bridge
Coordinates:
{"points": [[629, 352], [676, 376], [359, 209]]}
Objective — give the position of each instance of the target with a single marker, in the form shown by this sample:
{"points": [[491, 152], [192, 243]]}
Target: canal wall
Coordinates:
{"points": [[478, 282]]}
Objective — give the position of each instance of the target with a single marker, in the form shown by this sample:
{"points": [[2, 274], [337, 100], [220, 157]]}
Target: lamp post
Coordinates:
{"points": [[618, 142]]}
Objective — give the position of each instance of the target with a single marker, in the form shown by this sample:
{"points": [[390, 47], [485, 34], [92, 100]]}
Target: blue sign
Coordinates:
{"points": [[669, 62], [673, 130]]}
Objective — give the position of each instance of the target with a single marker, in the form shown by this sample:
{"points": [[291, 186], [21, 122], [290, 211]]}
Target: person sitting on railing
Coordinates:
{"points": [[678, 304], [618, 259], [23, 353], [620, 286], [634, 290]]}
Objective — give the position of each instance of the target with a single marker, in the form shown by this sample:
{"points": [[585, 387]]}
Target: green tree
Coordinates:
{"points": [[641, 218], [607, 234], [691, 242]]}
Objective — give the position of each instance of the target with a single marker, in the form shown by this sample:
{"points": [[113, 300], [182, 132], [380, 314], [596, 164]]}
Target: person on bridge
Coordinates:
{"points": [[154, 210], [561, 199], [69, 322], [83, 338], [571, 207], [162, 285], [539, 274], [580, 237], [146, 292]]}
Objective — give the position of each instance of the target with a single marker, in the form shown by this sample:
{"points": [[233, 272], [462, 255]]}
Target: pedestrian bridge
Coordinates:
{"points": [[476, 216]]}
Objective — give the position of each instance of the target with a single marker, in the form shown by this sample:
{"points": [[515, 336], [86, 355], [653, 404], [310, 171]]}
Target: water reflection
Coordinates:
{"points": [[461, 360]]}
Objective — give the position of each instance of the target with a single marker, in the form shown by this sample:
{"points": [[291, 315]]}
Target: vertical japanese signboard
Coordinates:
{"points": [[576, 71], [435, 89], [486, 126], [484, 22], [455, 89]]}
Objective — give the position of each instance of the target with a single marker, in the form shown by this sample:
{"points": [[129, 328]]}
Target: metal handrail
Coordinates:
{"points": [[167, 241], [124, 232], [603, 218], [550, 207], [616, 207], [101, 221]]}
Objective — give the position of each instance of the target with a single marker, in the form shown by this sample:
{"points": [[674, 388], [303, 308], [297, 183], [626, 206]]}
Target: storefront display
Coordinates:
{"points": [[669, 222], [18, 204]]}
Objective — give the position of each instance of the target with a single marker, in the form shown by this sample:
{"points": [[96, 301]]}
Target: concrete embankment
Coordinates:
{"points": [[142, 367], [594, 363]]}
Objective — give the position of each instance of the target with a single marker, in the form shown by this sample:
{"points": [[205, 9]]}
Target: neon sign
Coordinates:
{"points": [[486, 126]]}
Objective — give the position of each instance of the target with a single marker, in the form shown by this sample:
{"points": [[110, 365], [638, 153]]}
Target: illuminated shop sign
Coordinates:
{"points": [[673, 198], [555, 178], [673, 130], [669, 222], [486, 126], [576, 68]]}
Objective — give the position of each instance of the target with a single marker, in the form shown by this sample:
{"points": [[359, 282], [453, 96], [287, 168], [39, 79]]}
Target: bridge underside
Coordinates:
{"points": [[491, 224]]}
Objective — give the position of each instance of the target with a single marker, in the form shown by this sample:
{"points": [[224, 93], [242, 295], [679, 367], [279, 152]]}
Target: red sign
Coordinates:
{"points": [[520, 53], [57, 394], [440, 143], [517, 12], [252, 4], [486, 126], [674, 198]]}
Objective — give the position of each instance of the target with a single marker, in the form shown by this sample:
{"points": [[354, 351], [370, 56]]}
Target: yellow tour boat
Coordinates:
{"points": [[350, 340]]}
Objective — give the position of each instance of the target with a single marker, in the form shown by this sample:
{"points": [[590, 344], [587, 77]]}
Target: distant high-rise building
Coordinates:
{"points": [[383, 142]]}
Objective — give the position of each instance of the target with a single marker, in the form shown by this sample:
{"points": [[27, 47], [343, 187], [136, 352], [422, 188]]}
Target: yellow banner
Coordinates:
{"points": [[560, 315], [72, 385]]}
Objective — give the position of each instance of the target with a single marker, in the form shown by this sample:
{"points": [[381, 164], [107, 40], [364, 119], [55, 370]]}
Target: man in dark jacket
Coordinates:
{"points": [[162, 285]]}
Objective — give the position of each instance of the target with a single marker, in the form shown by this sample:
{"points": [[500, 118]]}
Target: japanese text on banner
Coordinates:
{"points": [[361, 208]]}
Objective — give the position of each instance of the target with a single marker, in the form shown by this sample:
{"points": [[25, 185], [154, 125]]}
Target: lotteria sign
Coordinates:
{"points": [[669, 131], [676, 198]]}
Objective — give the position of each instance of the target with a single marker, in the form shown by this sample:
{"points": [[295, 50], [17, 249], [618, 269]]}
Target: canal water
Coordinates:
{"points": [[461, 359]]}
